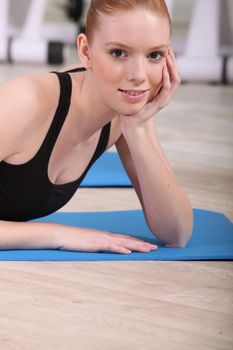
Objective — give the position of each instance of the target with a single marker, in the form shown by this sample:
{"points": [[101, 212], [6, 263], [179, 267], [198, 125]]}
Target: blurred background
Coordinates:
{"points": [[44, 32], [196, 129]]}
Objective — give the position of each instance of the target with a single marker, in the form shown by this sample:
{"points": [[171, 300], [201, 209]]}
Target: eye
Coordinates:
{"points": [[156, 56], [117, 53]]}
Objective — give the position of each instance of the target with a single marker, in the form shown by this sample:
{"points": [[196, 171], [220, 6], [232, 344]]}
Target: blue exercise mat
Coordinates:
{"points": [[107, 171], [212, 238]]}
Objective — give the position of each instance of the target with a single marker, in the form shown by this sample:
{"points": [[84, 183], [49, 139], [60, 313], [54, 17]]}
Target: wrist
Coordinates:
{"points": [[129, 126], [60, 235], [135, 131]]}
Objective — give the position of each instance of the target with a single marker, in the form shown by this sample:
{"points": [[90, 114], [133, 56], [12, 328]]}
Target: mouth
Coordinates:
{"points": [[133, 92]]}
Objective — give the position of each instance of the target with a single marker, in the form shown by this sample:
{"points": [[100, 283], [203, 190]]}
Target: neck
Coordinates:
{"points": [[92, 112]]}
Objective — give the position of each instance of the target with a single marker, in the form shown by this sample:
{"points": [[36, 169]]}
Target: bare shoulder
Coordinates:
{"points": [[24, 101]]}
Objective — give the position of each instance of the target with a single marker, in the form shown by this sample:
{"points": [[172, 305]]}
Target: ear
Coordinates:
{"points": [[84, 50]]}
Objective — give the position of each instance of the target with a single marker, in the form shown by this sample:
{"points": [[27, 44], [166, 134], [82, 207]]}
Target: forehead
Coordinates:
{"points": [[139, 26]]}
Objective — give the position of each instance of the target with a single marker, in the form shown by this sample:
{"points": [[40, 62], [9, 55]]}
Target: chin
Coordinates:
{"points": [[131, 110], [128, 109]]}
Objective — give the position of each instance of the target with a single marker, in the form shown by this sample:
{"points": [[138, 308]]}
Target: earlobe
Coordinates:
{"points": [[84, 51]]}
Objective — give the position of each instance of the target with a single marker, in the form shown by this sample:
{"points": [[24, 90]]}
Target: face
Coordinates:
{"points": [[127, 55]]}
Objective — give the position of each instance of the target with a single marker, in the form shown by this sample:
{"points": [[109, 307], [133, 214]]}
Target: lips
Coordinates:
{"points": [[133, 95], [133, 92]]}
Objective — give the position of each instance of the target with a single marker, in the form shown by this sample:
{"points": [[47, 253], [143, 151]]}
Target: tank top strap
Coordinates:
{"points": [[61, 112], [100, 148], [75, 70], [103, 142]]}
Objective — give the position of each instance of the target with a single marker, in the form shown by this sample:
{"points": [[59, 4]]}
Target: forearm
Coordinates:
{"points": [[167, 208], [30, 235], [39, 235]]}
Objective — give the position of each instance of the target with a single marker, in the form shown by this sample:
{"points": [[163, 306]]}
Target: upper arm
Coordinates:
{"points": [[126, 158], [18, 100]]}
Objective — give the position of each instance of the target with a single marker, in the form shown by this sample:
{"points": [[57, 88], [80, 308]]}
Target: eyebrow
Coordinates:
{"points": [[115, 43]]}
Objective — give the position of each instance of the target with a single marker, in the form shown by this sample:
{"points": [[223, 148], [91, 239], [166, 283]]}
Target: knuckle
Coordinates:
{"points": [[178, 80], [110, 247]]}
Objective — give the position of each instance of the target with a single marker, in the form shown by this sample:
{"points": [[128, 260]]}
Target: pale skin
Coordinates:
{"points": [[99, 96]]}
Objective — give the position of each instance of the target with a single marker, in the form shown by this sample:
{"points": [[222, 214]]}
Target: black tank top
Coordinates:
{"points": [[26, 192]]}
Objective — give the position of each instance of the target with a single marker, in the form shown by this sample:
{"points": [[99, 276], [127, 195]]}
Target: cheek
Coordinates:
{"points": [[157, 75], [156, 79], [105, 71]]}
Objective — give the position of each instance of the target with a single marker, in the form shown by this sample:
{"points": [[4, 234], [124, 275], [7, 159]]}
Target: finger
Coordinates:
{"points": [[165, 92], [174, 73], [138, 246], [127, 249], [163, 97], [127, 237], [136, 242], [118, 249], [173, 57], [142, 249], [130, 242], [166, 77]]}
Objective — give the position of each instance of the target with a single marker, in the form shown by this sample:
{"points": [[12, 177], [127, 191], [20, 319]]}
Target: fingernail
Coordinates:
{"points": [[154, 246]]}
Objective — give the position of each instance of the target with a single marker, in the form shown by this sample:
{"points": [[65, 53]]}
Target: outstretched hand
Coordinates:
{"points": [[170, 82], [92, 240]]}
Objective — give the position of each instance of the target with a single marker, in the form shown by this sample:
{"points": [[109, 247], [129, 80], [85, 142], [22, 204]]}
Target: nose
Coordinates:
{"points": [[136, 71]]}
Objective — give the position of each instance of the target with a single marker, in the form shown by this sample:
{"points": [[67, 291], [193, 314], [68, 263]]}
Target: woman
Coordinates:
{"points": [[58, 123]]}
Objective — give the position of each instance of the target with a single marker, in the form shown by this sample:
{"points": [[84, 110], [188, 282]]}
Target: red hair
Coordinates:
{"points": [[110, 7]]}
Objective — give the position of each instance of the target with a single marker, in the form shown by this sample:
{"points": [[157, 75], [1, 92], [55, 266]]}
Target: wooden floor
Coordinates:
{"points": [[138, 304]]}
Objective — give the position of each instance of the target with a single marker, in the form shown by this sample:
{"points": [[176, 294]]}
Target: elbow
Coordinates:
{"points": [[174, 231], [181, 235], [179, 239], [181, 242], [177, 234]]}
